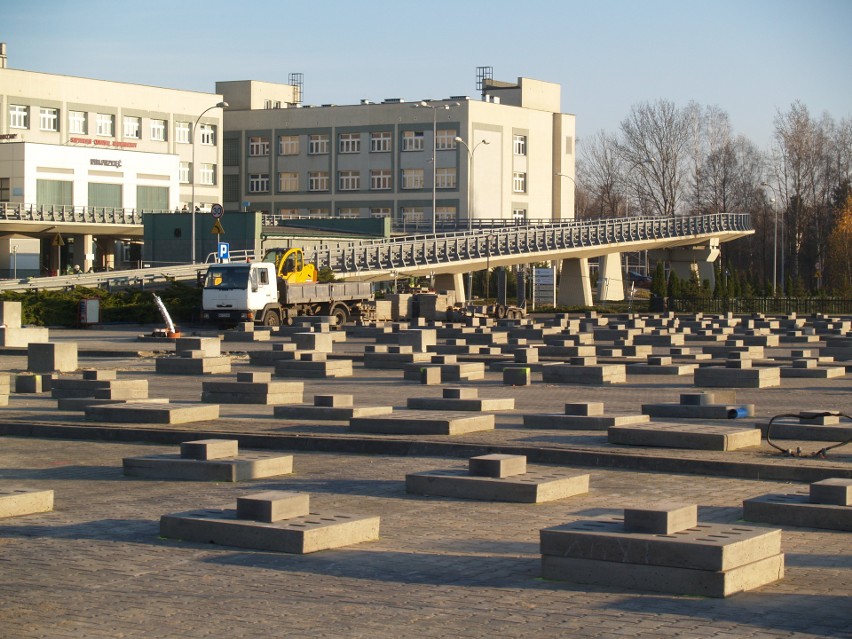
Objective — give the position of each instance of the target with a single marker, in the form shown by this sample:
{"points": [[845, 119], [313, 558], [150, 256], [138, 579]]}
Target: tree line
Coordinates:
{"points": [[667, 160]]}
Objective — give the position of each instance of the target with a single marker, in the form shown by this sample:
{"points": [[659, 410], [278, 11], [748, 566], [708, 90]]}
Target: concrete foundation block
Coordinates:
{"points": [[334, 401], [206, 449], [712, 377], [517, 376], [24, 501], [273, 505], [314, 369], [796, 509], [585, 375], [209, 346], [662, 519], [266, 393], [421, 422], [29, 383], [692, 436], [209, 365], [244, 467], [835, 491], [497, 465], [305, 412], [678, 581], [152, 413], [450, 404], [531, 487], [430, 375], [50, 357], [299, 535]]}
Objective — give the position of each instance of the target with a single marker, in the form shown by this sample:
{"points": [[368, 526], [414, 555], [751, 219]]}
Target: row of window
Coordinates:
{"points": [[206, 173], [380, 180], [406, 213], [104, 125]]}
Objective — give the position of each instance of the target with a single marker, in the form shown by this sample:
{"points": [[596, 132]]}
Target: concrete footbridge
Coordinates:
{"points": [[688, 243]]}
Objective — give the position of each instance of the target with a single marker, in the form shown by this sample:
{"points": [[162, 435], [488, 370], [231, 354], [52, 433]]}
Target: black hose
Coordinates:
{"points": [[800, 416]]}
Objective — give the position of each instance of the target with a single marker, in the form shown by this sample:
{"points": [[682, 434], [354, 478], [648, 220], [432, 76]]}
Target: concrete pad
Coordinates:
{"points": [[298, 535], [517, 376], [445, 403], [329, 413], [314, 369], [530, 487], [587, 375], [806, 431], [417, 422], [193, 366], [244, 467], [704, 547], [700, 411], [713, 377], [692, 436], [558, 421], [835, 491], [15, 502], [678, 581], [152, 413], [52, 357], [80, 404], [796, 509], [240, 392]]}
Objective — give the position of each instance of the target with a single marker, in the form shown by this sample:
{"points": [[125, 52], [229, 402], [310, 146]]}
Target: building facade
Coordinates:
{"points": [[445, 162], [79, 145]]}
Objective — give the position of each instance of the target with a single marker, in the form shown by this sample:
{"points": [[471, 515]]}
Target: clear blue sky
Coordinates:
{"points": [[748, 57]]}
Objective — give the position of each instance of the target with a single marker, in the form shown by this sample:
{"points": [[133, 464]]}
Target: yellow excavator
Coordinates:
{"points": [[290, 266]]}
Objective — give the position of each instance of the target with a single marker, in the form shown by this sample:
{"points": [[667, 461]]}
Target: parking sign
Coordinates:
{"points": [[224, 251]]}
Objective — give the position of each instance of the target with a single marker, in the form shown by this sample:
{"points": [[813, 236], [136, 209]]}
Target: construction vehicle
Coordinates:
{"points": [[276, 290]]}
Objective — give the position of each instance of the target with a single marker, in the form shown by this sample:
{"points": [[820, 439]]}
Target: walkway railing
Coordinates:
{"points": [[445, 249]]}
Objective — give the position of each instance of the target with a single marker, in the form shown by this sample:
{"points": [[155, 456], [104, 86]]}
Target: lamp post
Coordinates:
{"points": [[14, 261], [775, 241], [218, 105], [470, 200], [435, 108]]}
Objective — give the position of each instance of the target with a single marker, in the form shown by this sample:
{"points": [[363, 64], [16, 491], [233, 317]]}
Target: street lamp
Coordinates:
{"points": [[435, 108], [14, 261], [470, 200], [775, 242], [565, 175], [218, 105]]}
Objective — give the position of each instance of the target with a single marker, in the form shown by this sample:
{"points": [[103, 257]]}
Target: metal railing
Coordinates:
{"points": [[11, 212], [447, 249]]}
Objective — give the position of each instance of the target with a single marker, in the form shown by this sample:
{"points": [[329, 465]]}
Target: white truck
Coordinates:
{"points": [[253, 292]]}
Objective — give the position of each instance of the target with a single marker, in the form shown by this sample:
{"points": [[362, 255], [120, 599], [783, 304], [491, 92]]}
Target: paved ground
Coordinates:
{"points": [[96, 567]]}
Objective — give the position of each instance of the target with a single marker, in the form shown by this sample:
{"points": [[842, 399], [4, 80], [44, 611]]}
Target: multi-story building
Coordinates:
{"points": [[442, 162], [79, 145]]}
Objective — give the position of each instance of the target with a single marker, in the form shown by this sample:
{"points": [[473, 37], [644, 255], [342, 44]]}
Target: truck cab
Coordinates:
{"points": [[237, 292]]}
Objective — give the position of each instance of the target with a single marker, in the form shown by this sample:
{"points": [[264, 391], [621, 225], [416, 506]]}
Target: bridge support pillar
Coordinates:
{"points": [[451, 282], [575, 289], [610, 278], [84, 252], [687, 260]]}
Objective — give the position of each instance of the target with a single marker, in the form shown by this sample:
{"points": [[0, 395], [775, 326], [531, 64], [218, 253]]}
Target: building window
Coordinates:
{"points": [[519, 144], [412, 214], [4, 189], [158, 130], [182, 130], [77, 122], [349, 180], [349, 143], [380, 142], [132, 127], [318, 212], [519, 182], [231, 188], [446, 139], [288, 145], [318, 144], [318, 181], [519, 215], [288, 212], [288, 182], [259, 183], [49, 119], [412, 140], [105, 125], [445, 214], [207, 133], [445, 178], [19, 116], [380, 212], [272, 104], [208, 174], [258, 146], [184, 172], [380, 180], [349, 212], [412, 178]]}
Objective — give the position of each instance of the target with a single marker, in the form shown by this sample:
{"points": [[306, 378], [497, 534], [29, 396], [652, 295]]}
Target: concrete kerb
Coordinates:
{"points": [[408, 447]]}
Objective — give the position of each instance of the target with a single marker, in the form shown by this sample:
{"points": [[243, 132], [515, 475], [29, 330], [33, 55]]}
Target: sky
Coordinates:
{"points": [[751, 58]]}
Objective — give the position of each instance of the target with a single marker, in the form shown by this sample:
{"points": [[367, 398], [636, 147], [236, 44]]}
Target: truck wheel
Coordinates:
{"points": [[340, 315], [271, 319], [501, 311]]}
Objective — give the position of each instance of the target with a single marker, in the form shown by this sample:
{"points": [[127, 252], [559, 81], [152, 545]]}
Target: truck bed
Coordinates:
{"points": [[328, 292]]}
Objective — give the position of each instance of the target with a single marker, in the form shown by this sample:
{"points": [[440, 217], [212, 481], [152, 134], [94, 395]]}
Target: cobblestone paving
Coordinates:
{"points": [[96, 567]]}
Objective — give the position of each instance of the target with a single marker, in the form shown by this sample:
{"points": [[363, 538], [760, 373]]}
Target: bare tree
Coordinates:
{"points": [[600, 172], [658, 133]]}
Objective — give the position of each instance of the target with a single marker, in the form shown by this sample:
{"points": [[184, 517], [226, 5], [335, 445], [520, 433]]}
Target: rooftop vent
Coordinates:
{"points": [[392, 100]]}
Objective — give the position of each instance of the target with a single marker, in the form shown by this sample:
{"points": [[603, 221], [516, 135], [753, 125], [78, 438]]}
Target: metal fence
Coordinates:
{"points": [[765, 305]]}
